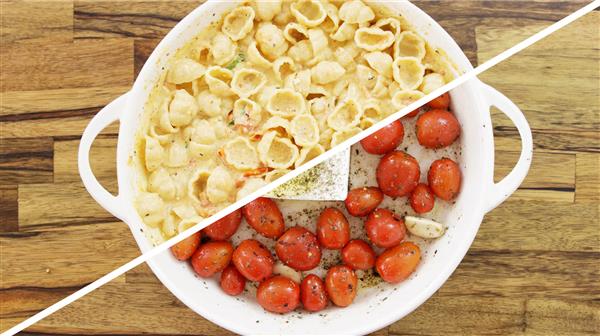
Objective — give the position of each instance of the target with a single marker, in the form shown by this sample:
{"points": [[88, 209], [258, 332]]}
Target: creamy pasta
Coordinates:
{"points": [[265, 88]]}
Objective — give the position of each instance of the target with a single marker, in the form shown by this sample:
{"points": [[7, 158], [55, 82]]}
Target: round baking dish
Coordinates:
{"points": [[373, 309]]}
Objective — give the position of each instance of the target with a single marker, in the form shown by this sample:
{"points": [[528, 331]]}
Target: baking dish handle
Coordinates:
{"points": [[502, 190], [101, 120]]}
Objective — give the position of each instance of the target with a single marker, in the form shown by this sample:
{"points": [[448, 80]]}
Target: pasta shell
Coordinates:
{"points": [[277, 152], [373, 38], [286, 103], [247, 82], [409, 44], [241, 154], [309, 13], [356, 12], [151, 208], [238, 23], [185, 70], [305, 130], [408, 72], [345, 116]]}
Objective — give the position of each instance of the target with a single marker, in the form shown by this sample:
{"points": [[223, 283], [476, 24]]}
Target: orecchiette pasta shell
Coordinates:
{"points": [[238, 23], [372, 109], [154, 154], [246, 82], [197, 184], [177, 155], [294, 32], [266, 10], [345, 116], [344, 32], [380, 62], [163, 138], [241, 154], [373, 38], [247, 113], [283, 67], [367, 77], [432, 82], [325, 138], [402, 99], [151, 208], [301, 52], [187, 223], [218, 80], [165, 119], [390, 24], [309, 13], [318, 40], [275, 174], [222, 49], [408, 72], [332, 20], [326, 72], [409, 44], [182, 109], [160, 182], [356, 12], [309, 153], [185, 70], [367, 122], [209, 103], [250, 185], [316, 91], [219, 186], [381, 87], [256, 57], [277, 152], [286, 103], [271, 41], [341, 136], [305, 130], [278, 124]]}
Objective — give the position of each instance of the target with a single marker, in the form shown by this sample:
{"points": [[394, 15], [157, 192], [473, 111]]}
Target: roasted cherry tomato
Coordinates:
{"points": [[299, 249], [333, 229], [384, 140], [358, 255], [264, 216], [441, 102], [312, 293], [444, 178], [211, 258], [341, 284], [397, 263], [253, 260], [278, 294], [398, 174], [186, 248], [422, 199], [384, 228], [232, 281], [225, 227], [361, 201], [437, 129]]}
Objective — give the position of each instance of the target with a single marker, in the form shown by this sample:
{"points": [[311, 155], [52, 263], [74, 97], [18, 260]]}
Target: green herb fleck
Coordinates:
{"points": [[239, 59]]}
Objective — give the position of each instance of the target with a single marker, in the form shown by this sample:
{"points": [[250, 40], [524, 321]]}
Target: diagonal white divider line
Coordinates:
{"points": [[294, 173]]}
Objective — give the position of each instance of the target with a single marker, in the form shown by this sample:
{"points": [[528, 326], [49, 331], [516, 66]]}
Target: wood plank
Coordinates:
{"points": [[66, 65], [24, 161], [19, 102], [461, 315], [588, 177], [142, 50], [531, 274], [540, 225], [67, 126], [556, 317], [50, 205], [9, 211], [18, 23], [132, 19], [102, 159], [128, 309], [64, 256]]}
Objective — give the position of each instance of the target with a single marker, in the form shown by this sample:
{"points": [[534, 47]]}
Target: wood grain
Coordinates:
{"points": [[532, 269]]}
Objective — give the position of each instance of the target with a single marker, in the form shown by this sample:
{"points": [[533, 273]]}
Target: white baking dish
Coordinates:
{"points": [[471, 104]]}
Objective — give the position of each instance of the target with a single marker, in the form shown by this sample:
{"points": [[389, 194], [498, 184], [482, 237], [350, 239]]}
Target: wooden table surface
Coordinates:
{"points": [[533, 268]]}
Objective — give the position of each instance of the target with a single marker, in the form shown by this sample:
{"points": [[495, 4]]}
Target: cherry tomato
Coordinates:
{"points": [[225, 227], [413, 113], [361, 201], [341, 284], [264, 216], [312, 293], [358, 255], [232, 281], [278, 294], [437, 129], [444, 178], [441, 102], [211, 258], [333, 229], [299, 249], [398, 174], [253, 260], [397, 263], [422, 199], [384, 229], [186, 248], [384, 140]]}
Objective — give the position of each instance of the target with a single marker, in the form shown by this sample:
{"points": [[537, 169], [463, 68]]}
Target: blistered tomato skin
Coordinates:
{"points": [[341, 284], [441, 102], [444, 178], [384, 229], [422, 199], [186, 248], [362, 201], [253, 260], [333, 229], [384, 140], [225, 227], [299, 249], [212, 258], [437, 129], [398, 174], [312, 293], [397, 263], [264, 216], [232, 281], [359, 255], [278, 294]]}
